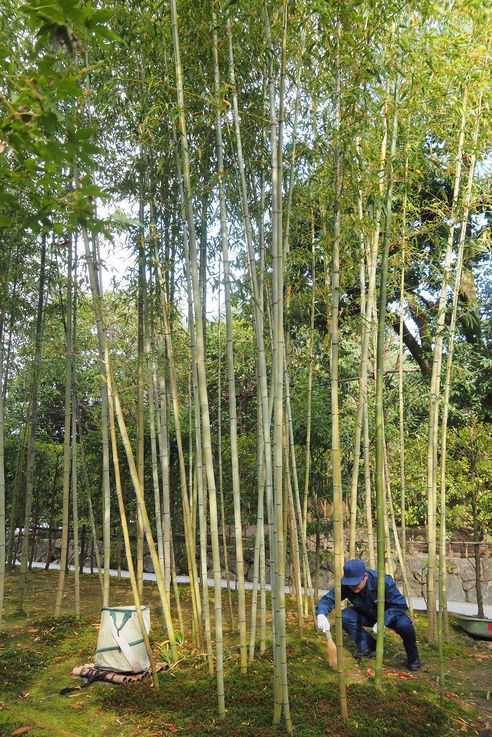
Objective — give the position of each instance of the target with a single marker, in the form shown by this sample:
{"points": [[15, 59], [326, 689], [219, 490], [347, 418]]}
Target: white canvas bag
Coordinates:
{"points": [[120, 645]]}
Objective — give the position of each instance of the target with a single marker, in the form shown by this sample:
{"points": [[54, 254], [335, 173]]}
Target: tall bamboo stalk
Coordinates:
{"points": [[298, 521], [16, 492], [189, 504], [279, 687], [367, 488], [141, 300], [67, 433], [380, 490], [152, 402], [31, 434], [334, 358], [200, 476], [187, 522], [225, 545], [258, 318], [115, 410], [236, 490], [2, 465], [259, 535], [399, 551], [75, 504], [160, 392], [202, 380], [443, 608], [362, 395], [310, 357], [401, 414], [105, 470], [435, 384], [309, 411], [281, 697], [85, 477]]}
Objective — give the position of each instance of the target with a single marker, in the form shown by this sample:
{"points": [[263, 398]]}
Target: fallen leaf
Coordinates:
{"points": [[24, 694], [21, 730]]}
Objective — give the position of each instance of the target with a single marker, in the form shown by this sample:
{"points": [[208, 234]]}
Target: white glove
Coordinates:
{"points": [[322, 623], [375, 628]]}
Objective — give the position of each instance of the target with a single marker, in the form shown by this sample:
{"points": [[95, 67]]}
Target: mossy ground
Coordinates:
{"points": [[37, 653]]}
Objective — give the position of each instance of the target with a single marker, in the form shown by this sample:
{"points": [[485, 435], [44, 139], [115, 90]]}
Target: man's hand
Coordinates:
{"points": [[322, 623]]}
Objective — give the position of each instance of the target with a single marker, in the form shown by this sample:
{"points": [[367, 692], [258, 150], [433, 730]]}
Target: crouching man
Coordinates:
{"points": [[360, 587]]}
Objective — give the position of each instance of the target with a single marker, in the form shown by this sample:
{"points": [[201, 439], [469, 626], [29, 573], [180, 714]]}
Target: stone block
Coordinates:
{"points": [[41, 551], [326, 580], [465, 569], [454, 590], [148, 566]]}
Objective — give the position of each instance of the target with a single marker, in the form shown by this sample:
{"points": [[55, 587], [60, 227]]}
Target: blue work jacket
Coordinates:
{"points": [[366, 601]]}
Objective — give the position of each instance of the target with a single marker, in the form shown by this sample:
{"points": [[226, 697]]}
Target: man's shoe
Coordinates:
{"points": [[414, 665], [368, 653]]}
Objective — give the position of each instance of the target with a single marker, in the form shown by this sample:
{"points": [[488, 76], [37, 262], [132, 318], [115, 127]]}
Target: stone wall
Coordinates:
{"points": [[460, 576]]}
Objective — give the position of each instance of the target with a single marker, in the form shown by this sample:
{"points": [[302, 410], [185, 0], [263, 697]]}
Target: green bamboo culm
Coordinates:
{"points": [[66, 442], [98, 311], [202, 381], [380, 506], [435, 385], [334, 366], [236, 491], [2, 465]]}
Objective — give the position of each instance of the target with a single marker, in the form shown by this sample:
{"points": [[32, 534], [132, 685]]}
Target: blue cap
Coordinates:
{"points": [[353, 572]]}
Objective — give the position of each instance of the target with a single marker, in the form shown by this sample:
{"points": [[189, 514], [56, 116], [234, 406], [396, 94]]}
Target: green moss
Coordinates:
{"points": [[51, 630], [17, 667], [38, 654]]}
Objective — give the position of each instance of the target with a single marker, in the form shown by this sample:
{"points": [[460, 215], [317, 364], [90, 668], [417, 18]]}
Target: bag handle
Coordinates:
{"points": [[125, 647]]}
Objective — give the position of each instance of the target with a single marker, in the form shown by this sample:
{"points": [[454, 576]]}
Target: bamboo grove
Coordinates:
{"points": [[297, 195]]}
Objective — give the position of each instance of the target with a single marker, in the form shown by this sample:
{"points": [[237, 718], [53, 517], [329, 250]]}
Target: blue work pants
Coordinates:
{"points": [[354, 621]]}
